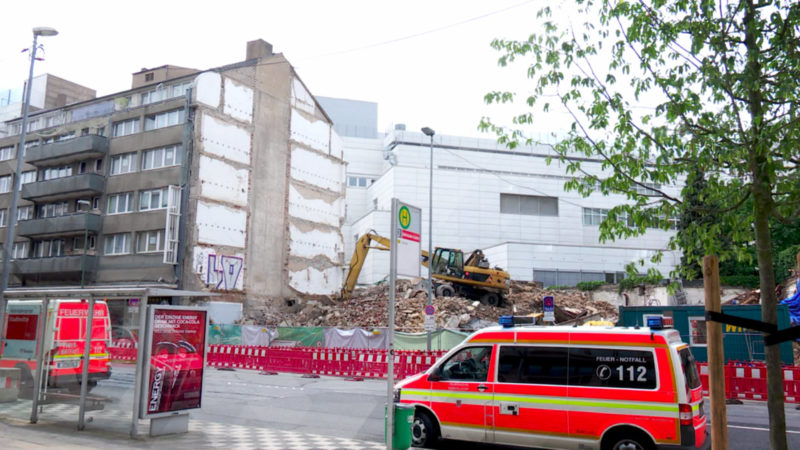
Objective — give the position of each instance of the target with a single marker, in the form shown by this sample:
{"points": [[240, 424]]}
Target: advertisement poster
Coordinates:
{"points": [[176, 347]]}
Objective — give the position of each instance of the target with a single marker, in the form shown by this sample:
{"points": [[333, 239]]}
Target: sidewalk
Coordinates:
{"points": [[61, 432]]}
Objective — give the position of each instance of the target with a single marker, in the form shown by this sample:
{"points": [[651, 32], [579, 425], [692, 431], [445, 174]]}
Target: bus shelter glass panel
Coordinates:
{"points": [[21, 342]]}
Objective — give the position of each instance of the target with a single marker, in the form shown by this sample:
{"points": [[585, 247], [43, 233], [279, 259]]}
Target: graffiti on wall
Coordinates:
{"points": [[223, 271], [219, 271]]}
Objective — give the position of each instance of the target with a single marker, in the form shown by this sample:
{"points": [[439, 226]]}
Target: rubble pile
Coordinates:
{"points": [[366, 308]]}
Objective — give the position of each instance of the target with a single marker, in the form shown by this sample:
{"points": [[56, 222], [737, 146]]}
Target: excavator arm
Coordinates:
{"points": [[362, 248]]}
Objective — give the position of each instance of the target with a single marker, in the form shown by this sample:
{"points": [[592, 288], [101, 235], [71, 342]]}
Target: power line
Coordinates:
{"points": [[423, 33]]}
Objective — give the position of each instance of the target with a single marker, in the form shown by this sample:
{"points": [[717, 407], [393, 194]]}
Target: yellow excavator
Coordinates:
{"points": [[452, 274]]}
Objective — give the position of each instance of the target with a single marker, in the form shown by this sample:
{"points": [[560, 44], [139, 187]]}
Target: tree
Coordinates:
{"points": [[723, 79]]}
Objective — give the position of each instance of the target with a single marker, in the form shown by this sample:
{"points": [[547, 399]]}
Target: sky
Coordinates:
{"points": [[425, 63]]}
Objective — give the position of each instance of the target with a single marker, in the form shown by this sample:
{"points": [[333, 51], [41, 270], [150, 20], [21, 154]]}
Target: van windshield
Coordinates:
{"points": [[689, 368]]}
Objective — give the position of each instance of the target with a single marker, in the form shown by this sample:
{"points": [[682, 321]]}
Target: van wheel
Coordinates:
{"points": [[627, 439], [424, 432]]}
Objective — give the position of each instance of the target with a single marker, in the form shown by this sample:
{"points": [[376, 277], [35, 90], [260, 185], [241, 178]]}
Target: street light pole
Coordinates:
{"points": [[12, 210], [431, 133]]}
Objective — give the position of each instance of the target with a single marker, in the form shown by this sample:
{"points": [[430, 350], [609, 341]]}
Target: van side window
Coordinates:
{"points": [[603, 367], [532, 365], [469, 364]]}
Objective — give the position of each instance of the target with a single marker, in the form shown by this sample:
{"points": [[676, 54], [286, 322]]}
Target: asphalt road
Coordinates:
{"points": [[332, 406]]}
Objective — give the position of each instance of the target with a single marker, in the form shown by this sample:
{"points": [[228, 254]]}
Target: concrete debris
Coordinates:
{"points": [[367, 308]]}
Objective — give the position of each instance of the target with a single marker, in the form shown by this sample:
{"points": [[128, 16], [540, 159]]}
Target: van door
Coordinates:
{"points": [[461, 397], [528, 397]]}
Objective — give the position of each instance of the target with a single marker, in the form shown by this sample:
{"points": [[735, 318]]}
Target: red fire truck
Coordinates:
{"points": [[64, 343]]}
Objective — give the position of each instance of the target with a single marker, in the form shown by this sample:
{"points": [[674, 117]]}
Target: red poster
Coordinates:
{"points": [[177, 348]]}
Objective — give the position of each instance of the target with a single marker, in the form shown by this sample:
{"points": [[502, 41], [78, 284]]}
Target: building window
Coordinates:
{"points": [[53, 210], [180, 89], [125, 127], [156, 95], [28, 177], [647, 189], [51, 173], [77, 243], [118, 244], [120, 203], [594, 216], [359, 181], [19, 250], [24, 213], [149, 76], [48, 248], [101, 131], [162, 157], [165, 119], [531, 205], [125, 163], [697, 331], [5, 184], [3, 217], [153, 199], [150, 241], [7, 153]]}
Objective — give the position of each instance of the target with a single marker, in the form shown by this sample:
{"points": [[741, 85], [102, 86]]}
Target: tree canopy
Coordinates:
{"points": [[664, 90]]}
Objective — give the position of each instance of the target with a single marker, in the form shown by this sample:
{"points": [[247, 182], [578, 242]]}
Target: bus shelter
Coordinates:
{"points": [[49, 380]]}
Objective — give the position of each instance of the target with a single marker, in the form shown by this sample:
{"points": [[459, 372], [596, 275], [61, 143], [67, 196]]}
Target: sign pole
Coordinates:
{"points": [[390, 356]]}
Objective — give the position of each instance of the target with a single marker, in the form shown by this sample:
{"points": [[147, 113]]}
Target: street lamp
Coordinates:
{"points": [[430, 132], [85, 238], [12, 210]]}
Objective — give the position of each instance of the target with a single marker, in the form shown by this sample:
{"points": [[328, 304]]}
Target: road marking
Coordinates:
{"points": [[759, 429]]}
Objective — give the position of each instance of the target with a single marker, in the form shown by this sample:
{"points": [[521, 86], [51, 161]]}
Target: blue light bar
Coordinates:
{"points": [[655, 322], [506, 321]]}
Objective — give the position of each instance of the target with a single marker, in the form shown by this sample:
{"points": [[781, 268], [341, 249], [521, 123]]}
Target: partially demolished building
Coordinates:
{"points": [[228, 180]]}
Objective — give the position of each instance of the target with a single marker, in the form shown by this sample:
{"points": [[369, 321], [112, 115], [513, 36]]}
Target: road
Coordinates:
{"points": [[331, 406]]}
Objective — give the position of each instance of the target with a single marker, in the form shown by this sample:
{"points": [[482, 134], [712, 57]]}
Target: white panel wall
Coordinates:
{"points": [[238, 101], [315, 209], [313, 281], [218, 270], [315, 134], [225, 140], [301, 98], [223, 182], [208, 87], [317, 170], [221, 225], [309, 244]]}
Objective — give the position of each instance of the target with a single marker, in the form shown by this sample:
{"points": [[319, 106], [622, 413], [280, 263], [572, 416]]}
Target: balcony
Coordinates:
{"points": [[72, 224], [80, 148], [82, 185], [63, 265]]}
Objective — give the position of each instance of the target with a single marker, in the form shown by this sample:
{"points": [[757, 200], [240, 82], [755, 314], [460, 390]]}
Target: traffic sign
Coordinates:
{"points": [[549, 307], [430, 323], [429, 310], [408, 225]]}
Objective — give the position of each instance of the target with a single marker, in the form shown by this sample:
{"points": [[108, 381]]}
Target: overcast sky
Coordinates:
{"points": [[425, 62]]}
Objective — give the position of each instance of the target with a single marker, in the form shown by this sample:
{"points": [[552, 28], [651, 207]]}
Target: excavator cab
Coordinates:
{"points": [[448, 261]]}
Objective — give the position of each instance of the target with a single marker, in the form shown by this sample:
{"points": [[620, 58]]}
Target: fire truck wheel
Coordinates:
{"points": [[424, 432], [627, 439]]}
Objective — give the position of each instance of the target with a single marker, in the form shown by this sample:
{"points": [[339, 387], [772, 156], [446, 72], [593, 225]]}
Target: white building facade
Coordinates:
{"points": [[510, 203]]}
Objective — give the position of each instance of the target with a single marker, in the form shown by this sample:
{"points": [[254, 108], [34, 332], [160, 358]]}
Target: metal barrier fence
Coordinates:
{"points": [[343, 362], [743, 380]]}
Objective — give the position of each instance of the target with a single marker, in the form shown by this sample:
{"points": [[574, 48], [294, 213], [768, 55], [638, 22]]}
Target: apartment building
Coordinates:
{"points": [[229, 180], [510, 203]]}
